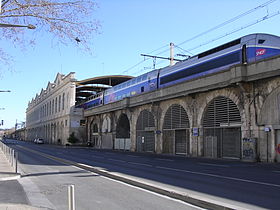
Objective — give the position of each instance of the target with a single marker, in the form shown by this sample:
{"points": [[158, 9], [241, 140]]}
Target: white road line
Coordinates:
{"points": [[95, 156], [165, 159], [211, 164], [141, 164], [121, 161], [132, 156], [219, 176]]}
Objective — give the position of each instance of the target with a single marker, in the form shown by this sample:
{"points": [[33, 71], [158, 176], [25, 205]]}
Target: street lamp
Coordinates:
{"points": [[5, 91], [29, 26]]}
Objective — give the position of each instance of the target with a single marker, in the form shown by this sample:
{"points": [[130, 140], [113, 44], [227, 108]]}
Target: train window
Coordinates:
{"points": [[261, 41], [145, 77], [138, 79], [217, 49], [142, 89]]}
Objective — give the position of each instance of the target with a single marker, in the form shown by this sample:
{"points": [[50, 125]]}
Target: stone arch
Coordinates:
{"points": [[145, 132], [106, 133], [94, 134], [106, 125], [269, 115], [176, 130], [123, 127], [122, 140], [221, 124]]}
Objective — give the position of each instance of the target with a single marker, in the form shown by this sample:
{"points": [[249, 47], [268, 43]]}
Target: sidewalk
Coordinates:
{"points": [[7, 172]]}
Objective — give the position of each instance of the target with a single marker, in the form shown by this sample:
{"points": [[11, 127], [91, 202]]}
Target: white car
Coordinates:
{"points": [[39, 141]]}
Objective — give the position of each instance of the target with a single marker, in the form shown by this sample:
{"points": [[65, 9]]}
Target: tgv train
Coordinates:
{"points": [[247, 49]]}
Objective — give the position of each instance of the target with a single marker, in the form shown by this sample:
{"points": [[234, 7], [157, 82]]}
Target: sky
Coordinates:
{"points": [[128, 29]]}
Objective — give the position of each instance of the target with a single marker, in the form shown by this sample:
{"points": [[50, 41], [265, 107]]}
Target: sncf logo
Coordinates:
{"points": [[260, 52]]}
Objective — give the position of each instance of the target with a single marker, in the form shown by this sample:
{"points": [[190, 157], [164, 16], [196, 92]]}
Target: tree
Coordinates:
{"points": [[67, 20], [72, 138]]}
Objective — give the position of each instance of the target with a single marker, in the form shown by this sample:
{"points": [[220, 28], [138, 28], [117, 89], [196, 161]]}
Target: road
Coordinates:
{"points": [[46, 182], [233, 183]]}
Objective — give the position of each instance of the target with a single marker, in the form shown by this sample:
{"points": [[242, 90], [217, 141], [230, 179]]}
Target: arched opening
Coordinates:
{"points": [[145, 132], [176, 134], [222, 129], [94, 134], [106, 135], [122, 140]]}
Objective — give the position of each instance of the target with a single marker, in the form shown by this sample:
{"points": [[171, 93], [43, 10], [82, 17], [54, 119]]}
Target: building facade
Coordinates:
{"points": [[52, 115]]}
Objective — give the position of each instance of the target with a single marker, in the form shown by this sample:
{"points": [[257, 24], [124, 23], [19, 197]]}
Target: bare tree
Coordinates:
{"points": [[67, 20]]}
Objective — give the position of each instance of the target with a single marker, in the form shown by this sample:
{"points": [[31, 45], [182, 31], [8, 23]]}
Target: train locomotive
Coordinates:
{"points": [[245, 50]]}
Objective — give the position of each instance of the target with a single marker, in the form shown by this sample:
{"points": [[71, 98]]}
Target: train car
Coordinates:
{"points": [[138, 85], [93, 101], [247, 49]]}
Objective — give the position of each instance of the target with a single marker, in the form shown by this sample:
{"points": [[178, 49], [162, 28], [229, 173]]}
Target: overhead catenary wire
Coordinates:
{"points": [[212, 29], [238, 29]]}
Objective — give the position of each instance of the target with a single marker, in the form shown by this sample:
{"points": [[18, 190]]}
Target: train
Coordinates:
{"points": [[245, 50]]}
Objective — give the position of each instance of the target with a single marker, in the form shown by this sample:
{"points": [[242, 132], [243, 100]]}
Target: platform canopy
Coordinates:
{"points": [[88, 87]]}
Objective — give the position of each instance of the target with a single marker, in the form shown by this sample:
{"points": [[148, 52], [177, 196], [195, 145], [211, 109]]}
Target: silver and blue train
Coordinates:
{"points": [[245, 50]]}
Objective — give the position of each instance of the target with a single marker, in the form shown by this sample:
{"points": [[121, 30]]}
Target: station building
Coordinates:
{"points": [[53, 114]]}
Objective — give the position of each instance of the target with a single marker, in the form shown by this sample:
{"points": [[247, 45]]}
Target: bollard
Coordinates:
{"points": [[16, 162], [71, 197], [13, 157]]}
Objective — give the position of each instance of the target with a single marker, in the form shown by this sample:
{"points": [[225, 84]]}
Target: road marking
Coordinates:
{"points": [[141, 164], [121, 161], [96, 156], [132, 156], [211, 164], [164, 159], [220, 176]]}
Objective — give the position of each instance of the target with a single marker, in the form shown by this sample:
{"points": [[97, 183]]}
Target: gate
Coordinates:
{"points": [[145, 132], [222, 129], [176, 131]]}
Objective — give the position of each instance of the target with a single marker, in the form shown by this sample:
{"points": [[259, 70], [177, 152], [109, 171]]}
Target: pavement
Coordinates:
{"points": [[12, 196], [7, 172]]}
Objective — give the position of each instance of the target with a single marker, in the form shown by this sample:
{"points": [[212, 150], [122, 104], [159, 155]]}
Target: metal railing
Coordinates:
{"points": [[11, 155]]}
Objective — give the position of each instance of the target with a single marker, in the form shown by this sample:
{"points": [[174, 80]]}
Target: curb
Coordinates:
{"points": [[201, 202], [11, 177]]}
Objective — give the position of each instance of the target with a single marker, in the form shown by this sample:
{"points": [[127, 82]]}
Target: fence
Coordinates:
{"points": [[10, 154]]}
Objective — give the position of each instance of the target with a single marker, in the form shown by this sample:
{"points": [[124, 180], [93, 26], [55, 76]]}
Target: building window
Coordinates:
{"points": [[63, 101], [52, 106], [65, 122], [56, 105], [59, 103]]}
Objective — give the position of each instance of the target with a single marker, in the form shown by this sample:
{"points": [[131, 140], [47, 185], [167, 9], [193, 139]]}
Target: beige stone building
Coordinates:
{"points": [[52, 115]]}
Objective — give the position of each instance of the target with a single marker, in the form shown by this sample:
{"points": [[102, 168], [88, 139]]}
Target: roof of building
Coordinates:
{"points": [[110, 80], [86, 88]]}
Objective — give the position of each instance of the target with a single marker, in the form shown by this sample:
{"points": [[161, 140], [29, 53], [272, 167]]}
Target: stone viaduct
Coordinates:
{"points": [[230, 114]]}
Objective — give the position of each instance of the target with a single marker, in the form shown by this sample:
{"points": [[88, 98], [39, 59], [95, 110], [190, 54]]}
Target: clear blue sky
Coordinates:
{"points": [[129, 28]]}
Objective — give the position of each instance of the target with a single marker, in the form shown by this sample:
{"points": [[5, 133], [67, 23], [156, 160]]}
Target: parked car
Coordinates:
{"points": [[38, 141]]}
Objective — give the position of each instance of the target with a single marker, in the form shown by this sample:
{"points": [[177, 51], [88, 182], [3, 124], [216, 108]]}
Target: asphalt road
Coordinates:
{"points": [[242, 185], [45, 183]]}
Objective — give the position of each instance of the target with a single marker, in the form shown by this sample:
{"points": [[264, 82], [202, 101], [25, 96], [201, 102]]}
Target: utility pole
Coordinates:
{"points": [[171, 58], [171, 54]]}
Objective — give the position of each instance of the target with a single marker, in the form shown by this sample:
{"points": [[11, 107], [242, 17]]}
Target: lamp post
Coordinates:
{"points": [[29, 26], [5, 91]]}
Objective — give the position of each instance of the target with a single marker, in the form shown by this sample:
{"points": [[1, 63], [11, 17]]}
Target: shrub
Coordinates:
{"points": [[72, 138]]}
